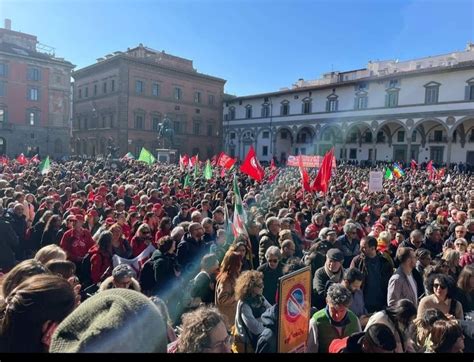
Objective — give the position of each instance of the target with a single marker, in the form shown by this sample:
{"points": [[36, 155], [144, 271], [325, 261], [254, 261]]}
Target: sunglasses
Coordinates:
{"points": [[437, 285]]}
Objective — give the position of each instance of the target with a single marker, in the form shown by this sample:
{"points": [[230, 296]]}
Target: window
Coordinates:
{"points": [[2, 115], [301, 138], [327, 136], [306, 106], [95, 89], [196, 127], [232, 113], [393, 83], [431, 94], [155, 90], [232, 136], [33, 94], [438, 136], [303, 151], [177, 127], [248, 111], [209, 130], [361, 102], [32, 118], [353, 137], [138, 87], [285, 109], [265, 110], [112, 85], [155, 124], [332, 104], [80, 93], [380, 137], [34, 74], [471, 92], [3, 70], [87, 92], [353, 153], [3, 89], [198, 111], [104, 87], [265, 151], [265, 135], [197, 97], [368, 137], [211, 99], [177, 93], [391, 99], [401, 136], [413, 136], [104, 122], [139, 121], [362, 87]]}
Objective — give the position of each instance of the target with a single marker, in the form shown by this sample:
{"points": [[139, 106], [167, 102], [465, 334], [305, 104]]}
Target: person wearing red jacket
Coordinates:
{"points": [[101, 258], [77, 241], [141, 240]]}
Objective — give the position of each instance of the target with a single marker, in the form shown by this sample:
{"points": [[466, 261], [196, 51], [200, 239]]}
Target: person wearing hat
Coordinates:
{"points": [[122, 277], [332, 271], [92, 221], [183, 215], [378, 338], [377, 271], [334, 321], [112, 321]]}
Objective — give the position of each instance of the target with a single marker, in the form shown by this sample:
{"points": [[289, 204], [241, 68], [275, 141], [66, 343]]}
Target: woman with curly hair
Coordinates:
{"points": [[204, 331], [225, 287], [250, 307]]}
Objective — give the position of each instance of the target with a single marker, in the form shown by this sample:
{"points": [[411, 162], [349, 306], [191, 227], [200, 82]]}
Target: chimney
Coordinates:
{"points": [[8, 24]]}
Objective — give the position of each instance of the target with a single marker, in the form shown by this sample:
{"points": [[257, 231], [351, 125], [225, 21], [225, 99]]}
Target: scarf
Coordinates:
{"points": [[334, 277]]}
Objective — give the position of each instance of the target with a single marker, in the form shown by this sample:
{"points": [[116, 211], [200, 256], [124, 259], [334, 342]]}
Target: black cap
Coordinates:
{"points": [[335, 254], [381, 336]]}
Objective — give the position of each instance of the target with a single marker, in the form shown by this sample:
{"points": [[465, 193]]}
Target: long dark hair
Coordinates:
{"points": [[37, 300], [20, 272], [51, 222], [402, 311]]}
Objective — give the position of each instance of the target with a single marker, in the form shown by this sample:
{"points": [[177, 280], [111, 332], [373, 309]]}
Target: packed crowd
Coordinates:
{"points": [[391, 271]]}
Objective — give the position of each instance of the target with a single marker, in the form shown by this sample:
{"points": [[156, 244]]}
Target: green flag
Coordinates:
{"points": [[388, 174], [196, 168], [146, 156], [45, 166], [208, 170], [187, 183], [229, 235], [240, 216]]}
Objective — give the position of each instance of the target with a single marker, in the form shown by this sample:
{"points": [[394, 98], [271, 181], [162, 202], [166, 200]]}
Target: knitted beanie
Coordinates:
{"points": [[115, 320]]}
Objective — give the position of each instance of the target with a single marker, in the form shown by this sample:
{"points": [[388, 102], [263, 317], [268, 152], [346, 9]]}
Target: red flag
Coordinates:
{"points": [[429, 168], [4, 160], [304, 175], [214, 160], [193, 160], [274, 176], [272, 165], [22, 160], [91, 196], [252, 167], [225, 161], [223, 172], [440, 173], [413, 165], [35, 159], [321, 182]]}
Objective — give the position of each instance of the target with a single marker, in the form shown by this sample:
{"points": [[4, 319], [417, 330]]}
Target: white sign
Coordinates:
{"points": [[375, 181]]}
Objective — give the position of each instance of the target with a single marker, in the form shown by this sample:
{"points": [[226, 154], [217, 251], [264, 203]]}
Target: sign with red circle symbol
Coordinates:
{"points": [[295, 303]]}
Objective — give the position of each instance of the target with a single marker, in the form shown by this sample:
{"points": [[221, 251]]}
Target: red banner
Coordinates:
{"points": [[308, 161]]}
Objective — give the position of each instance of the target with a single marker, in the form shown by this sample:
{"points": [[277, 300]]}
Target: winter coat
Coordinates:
{"points": [[267, 341], [164, 266], [270, 280], [267, 239], [76, 244], [225, 298], [50, 237], [101, 263], [108, 284], [8, 244], [189, 253]]}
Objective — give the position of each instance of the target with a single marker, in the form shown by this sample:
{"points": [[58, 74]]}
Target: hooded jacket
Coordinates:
{"points": [[267, 341]]}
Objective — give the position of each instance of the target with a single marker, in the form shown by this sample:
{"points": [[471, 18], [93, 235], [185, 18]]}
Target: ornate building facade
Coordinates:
{"points": [[124, 99], [419, 109], [35, 93]]}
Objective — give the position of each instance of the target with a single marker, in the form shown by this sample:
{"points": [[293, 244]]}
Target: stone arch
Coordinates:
{"points": [[288, 129], [334, 129], [261, 130], [310, 130], [391, 121], [362, 128], [432, 119], [458, 123]]}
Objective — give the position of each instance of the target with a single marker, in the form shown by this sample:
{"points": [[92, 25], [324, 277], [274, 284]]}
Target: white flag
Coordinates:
{"points": [[448, 178], [137, 263]]}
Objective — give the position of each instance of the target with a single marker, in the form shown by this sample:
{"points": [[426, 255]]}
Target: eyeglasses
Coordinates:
{"points": [[437, 285], [224, 343], [458, 244], [273, 261]]}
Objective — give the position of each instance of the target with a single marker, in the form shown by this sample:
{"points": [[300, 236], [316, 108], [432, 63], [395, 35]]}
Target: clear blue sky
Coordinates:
{"points": [[256, 45]]}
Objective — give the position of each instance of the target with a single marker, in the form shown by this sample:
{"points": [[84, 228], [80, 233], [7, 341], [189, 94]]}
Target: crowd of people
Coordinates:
{"points": [[392, 271]]}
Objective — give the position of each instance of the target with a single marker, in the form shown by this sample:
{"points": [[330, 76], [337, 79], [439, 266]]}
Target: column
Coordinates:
{"points": [[448, 156], [408, 158]]}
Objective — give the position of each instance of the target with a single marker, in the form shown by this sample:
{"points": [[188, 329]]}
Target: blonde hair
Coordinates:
{"points": [[384, 238], [452, 257], [50, 252]]}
